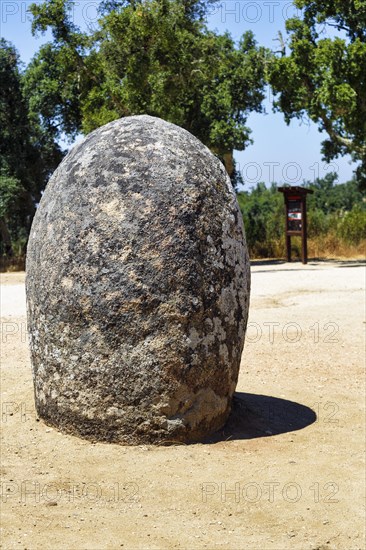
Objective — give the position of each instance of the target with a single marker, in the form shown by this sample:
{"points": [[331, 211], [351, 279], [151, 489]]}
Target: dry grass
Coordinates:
{"points": [[12, 264], [331, 247], [324, 247]]}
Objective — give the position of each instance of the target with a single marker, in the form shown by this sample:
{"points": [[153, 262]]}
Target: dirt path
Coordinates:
{"points": [[287, 471]]}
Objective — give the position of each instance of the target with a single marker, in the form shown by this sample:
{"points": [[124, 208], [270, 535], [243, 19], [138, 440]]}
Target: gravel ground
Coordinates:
{"points": [[286, 472]]}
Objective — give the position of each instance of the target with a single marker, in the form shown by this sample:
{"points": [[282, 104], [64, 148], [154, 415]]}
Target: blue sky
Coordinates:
{"points": [[286, 154]]}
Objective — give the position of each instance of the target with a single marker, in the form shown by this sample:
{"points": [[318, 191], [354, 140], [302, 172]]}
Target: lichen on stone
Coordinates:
{"points": [[137, 287]]}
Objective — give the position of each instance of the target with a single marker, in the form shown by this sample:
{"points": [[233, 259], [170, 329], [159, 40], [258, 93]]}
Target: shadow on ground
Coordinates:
{"points": [[255, 416], [267, 262], [311, 262]]}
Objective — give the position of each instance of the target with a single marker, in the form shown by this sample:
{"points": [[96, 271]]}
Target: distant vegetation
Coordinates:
{"points": [[336, 220], [159, 57]]}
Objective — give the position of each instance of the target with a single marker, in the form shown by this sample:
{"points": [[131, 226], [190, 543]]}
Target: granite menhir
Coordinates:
{"points": [[137, 287]]}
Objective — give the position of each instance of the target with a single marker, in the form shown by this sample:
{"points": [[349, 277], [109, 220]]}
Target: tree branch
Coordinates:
{"points": [[337, 26], [328, 126], [348, 143]]}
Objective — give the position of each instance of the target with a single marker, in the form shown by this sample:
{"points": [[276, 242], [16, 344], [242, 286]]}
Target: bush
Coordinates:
{"points": [[262, 210], [352, 225], [336, 219], [319, 223]]}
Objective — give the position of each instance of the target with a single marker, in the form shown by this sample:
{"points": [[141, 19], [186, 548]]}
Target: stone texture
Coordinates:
{"points": [[137, 287]]}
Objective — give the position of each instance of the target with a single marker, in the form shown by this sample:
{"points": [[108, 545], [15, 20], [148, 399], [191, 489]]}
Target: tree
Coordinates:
{"points": [[331, 197], [28, 154], [154, 57], [262, 210], [325, 76], [335, 211]]}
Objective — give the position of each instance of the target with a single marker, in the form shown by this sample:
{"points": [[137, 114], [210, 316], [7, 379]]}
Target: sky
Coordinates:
{"points": [[280, 153]]}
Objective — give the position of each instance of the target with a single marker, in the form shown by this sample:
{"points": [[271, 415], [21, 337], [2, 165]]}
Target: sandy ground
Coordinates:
{"points": [[286, 472]]}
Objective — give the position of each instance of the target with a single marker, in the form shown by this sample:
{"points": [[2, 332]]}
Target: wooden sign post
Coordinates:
{"points": [[296, 223]]}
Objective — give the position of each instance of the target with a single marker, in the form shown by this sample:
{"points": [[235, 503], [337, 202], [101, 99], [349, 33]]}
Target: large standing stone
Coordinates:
{"points": [[137, 287]]}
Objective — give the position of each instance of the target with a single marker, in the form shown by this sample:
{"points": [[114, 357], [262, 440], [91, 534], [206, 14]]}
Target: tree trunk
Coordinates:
{"points": [[5, 237], [229, 162]]}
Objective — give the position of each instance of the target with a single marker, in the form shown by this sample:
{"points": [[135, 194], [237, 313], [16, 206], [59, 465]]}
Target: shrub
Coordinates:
{"points": [[352, 225]]}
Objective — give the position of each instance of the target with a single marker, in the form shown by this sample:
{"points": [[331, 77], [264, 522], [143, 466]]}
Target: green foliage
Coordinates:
{"points": [[325, 78], [262, 210], [28, 153], [337, 210], [158, 57], [319, 223], [352, 225], [10, 194], [154, 57], [329, 197]]}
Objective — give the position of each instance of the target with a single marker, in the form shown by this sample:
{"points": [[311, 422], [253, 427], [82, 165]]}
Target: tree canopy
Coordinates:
{"points": [[158, 57], [324, 74], [28, 154], [155, 57]]}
